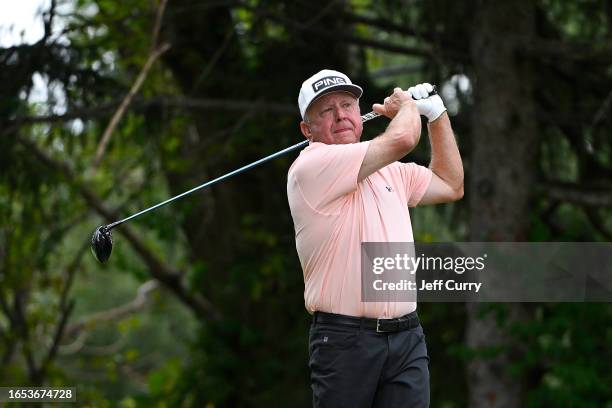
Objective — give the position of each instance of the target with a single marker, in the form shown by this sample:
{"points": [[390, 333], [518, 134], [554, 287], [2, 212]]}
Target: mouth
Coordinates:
{"points": [[343, 130]]}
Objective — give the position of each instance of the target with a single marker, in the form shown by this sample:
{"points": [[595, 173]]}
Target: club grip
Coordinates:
{"points": [[372, 115], [434, 91]]}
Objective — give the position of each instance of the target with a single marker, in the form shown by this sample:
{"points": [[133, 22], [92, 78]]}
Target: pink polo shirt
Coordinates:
{"points": [[333, 214]]}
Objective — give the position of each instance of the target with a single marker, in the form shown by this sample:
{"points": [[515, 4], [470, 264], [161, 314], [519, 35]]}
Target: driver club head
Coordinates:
{"points": [[102, 243]]}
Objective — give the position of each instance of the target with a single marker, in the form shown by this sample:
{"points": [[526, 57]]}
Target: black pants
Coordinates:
{"points": [[357, 367]]}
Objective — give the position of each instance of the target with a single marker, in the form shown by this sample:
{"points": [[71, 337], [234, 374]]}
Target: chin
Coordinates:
{"points": [[347, 139], [339, 139]]}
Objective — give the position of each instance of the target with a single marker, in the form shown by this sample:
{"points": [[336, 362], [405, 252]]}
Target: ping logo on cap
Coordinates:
{"points": [[327, 82]]}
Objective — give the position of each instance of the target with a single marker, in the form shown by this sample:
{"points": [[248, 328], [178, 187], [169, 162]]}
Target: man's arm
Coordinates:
{"points": [[447, 180], [400, 137]]}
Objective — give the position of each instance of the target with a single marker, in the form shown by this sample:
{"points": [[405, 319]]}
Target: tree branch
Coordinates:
{"points": [[600, 114], [154, 54], [21, 327], [106, 350], [116, 313], [568, 51], [59, 332], [365, 42], [548, 216], [158, 22], [76, 345], [396, 70], [161, 271], [48, 22], [384, 24], [66, 307], [10, 341], [598, 222], [214, 59], [165, 101], [126, 102], [575, 194], [70, 271]]}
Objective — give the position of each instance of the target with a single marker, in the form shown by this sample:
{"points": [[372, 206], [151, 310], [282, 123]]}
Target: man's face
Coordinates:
{"points": [[334, 118]]}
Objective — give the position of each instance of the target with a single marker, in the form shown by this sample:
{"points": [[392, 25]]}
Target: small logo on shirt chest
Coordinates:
{"points": [[389, 189]]}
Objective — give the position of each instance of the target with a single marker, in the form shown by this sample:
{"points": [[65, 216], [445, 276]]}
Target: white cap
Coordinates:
{"points": [[324, 82]]}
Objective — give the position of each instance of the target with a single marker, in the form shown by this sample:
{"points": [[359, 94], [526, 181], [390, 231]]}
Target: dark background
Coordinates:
{"points": [[201, 303]]}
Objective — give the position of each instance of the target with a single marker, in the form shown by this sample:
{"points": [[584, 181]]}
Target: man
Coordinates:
{"points": [[343, 192]]}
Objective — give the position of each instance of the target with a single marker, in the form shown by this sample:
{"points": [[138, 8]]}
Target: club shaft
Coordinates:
{"points": [[364, 118]]}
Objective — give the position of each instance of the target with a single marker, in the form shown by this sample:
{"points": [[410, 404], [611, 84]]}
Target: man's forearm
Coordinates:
{"points": [[445, 158]]}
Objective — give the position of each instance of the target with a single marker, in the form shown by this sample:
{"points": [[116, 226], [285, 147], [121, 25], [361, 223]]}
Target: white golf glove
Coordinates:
{"points": [[429, 106]]}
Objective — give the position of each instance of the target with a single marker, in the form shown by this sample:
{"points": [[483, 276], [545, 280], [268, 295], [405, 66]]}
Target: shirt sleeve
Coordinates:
{"points": [[327, 173], [416, 180]]}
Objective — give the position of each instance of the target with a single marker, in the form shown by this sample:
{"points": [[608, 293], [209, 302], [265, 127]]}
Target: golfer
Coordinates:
{"points": [[343, 192]]}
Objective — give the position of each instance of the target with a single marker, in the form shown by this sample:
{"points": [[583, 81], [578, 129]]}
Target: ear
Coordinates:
{"points": [[306, 131]]}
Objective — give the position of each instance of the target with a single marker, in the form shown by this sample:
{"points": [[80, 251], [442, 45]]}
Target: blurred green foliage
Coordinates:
{"points": [[234, 244]]}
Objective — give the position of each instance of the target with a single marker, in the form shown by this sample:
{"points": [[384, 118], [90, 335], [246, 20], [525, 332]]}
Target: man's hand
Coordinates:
{"points": [[429, 106], [393, 103], [400, 137]]}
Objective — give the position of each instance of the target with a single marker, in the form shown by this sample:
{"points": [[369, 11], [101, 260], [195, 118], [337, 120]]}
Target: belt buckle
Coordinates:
{"points": [[378, 326]]}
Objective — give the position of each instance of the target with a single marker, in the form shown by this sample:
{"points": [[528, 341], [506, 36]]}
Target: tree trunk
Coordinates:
{"points": [[503, 164]]}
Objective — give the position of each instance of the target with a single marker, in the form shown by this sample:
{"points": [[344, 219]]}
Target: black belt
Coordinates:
{"points": [[409, 321]]}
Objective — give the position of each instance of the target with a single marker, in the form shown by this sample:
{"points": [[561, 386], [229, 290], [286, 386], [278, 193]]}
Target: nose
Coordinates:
{"points": [[341, 114]]}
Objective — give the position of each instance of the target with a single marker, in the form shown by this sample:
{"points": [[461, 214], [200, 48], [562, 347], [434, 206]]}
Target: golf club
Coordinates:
{"points": [[102, 239]]}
